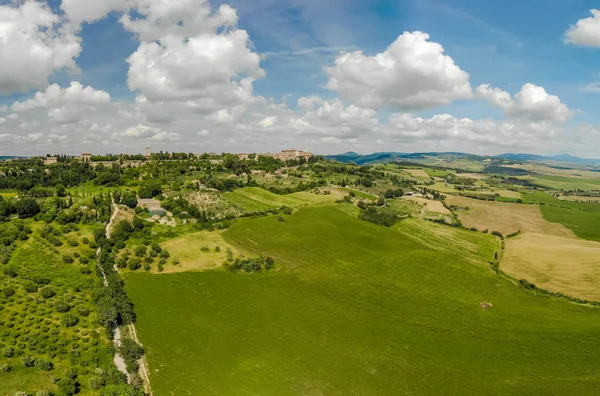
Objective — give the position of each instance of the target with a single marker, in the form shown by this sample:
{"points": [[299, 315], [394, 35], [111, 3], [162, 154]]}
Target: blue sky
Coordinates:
{"points": [[505, 43]]}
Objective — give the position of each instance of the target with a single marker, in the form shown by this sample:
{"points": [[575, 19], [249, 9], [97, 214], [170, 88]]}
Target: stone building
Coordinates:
{"points": [[86, 157], [286, 155], [152, 206], [50, 160]]}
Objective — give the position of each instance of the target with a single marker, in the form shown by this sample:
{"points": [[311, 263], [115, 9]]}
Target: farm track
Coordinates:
{"points": [[118, 359]]}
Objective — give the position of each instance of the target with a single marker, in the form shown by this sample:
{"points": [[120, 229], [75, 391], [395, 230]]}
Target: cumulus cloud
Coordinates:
{"points": [[190, 57], [333, 119], [531, 103], [55, 96], [36, 43], [586, 32], [445, 132], [183, 18], [65, 105], [89, 11], [412, 74], [149, 133]]}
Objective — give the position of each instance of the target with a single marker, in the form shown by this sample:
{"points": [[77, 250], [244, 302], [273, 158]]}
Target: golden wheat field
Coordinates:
{"points": [[556, 263], [504, 217]]}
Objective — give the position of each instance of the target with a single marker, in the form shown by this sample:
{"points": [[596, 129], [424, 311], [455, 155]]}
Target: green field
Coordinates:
{"points": [[256, 199], [580, 217], [358, 309], [564, 182]]}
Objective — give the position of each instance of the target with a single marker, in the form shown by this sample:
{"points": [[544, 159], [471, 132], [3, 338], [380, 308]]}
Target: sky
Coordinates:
{"points": [[328, 76]]}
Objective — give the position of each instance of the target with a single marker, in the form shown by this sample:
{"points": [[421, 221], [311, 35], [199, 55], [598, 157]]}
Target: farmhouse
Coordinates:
{"points": [[287, 155], [152, 206], [50, 160]]}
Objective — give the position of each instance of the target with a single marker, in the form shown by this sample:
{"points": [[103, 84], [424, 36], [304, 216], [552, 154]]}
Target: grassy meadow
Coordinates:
{"points": [[357, 309], [253, 199]]}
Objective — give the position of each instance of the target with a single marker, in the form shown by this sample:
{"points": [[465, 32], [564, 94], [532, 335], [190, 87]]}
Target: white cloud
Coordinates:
{"points": [[267, 122], [309, 102], [55, 97], [532, 103], [190, 58], [150, 133], [412, 74], [65, 105], [183, 18], [586, 32], [445, 132], [593, 87], [89, 11], [333, 119], [36, 44]]}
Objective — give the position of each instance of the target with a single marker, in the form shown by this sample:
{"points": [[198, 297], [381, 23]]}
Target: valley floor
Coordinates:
{"points": [[358, 309]]}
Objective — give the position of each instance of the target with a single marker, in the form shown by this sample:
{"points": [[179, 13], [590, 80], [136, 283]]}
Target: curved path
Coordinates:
{"points": [[118, 359]]}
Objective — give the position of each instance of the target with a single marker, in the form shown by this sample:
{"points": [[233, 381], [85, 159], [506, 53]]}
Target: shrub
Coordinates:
{"points": [[176, 261], [28, 361], [8, 291], [281, 219], [164, 254], [73, 243], [156, 247], [47, 292], [43, 364], [147, 266], [381, 217], [83, 311], [131, 353], [40, 280], [140, 251], [204, 248], [84, 260], [68, 386], [8, 352], [10, 272], [85, 270], [97, 382], [120, 245], [251, 264], [31, 287], [134, 264], [122, 263], [5, 368], [62, 306], [67, 259], [85, 240], [69, 320], [217, 249]]}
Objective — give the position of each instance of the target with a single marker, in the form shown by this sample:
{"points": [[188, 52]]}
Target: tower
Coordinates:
{"points": [[148, 152]]}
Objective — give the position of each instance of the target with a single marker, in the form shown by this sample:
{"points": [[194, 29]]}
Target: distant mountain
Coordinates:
{"points": [[377, 158], [359, 159], [566, 158]]}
